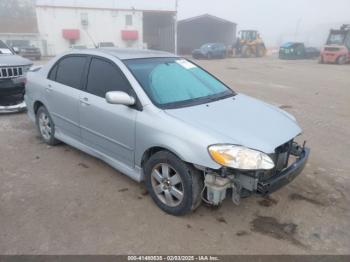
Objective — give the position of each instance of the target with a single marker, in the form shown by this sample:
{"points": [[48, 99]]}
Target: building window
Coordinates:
{"points": [[128, 20], [84, 19]]}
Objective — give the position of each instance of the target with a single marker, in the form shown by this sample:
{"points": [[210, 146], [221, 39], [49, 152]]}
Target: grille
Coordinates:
{"points": [[11, 72], [332, 49]]}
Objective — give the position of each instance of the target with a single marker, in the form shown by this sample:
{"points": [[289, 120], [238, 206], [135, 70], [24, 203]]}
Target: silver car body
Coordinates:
{"points": [[121, 136]]}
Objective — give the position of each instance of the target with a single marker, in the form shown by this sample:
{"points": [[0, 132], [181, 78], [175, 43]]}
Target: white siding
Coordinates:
{"points": [[104, 26]]}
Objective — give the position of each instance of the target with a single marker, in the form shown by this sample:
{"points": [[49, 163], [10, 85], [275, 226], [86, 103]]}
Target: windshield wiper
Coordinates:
{"points": [[220, 97]]}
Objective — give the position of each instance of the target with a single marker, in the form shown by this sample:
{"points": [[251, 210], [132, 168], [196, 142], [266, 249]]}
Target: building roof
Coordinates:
{"points": [[137, 5], [124, 54], [206, 17]]}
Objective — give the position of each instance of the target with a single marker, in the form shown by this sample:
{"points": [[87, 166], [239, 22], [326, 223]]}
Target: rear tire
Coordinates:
{"points": [[46, 126], [320, 60], [260, 51], [174, 185]]}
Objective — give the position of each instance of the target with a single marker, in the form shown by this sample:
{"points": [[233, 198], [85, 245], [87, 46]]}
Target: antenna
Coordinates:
{"points": [[92, 40], [176, 25]]}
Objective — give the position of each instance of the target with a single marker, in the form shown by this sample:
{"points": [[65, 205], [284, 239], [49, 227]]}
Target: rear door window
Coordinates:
{"points": [[104, 76], [53, 73], [70, 71]]}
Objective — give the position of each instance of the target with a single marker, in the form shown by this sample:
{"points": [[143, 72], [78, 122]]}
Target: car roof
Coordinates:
{"points": [[124, 54], [290, 44]]}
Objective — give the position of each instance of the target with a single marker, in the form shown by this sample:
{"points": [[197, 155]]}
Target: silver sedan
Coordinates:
{"points": [[164, 120]]}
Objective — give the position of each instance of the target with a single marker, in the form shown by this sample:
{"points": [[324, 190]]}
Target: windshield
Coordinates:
{"points": [[206, 46], [336, 39], [4, 49], [176, 82], [248, 35], [18, 43]]}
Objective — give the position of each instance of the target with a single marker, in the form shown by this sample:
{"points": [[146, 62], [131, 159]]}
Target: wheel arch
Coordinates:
{"points": [[148, 153], [36, 105]]}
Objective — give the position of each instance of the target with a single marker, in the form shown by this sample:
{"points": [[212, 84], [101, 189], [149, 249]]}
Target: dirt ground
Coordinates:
{"points": [[57, 200]]}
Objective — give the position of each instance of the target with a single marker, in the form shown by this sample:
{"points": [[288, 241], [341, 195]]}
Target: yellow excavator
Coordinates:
{"points": [[249, 44]]}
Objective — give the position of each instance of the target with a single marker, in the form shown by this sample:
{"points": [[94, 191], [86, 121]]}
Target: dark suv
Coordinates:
{"points": [[210, 51], [13, 69], [25, 49]]}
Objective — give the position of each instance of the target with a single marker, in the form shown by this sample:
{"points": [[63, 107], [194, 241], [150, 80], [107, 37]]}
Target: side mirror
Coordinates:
{"points": [[16, 49], [120, 98]]}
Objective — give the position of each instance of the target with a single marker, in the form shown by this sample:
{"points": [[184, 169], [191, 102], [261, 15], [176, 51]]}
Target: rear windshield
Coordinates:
{"points": [[176, 82]]}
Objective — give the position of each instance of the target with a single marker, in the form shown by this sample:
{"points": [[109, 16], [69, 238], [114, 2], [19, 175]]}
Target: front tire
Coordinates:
{"points": [[342, 60], [45, 126], [320, 60], [173, 185], [246, 52]]}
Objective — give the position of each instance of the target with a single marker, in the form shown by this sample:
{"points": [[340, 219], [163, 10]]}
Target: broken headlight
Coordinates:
{"points": [[240, 157]]}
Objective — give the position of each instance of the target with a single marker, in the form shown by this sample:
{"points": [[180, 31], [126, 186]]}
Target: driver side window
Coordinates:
{"points": [[104, 77]]}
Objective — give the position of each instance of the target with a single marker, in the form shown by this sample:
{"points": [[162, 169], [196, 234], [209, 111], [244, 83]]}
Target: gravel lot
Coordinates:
{"points": [[57, 200]]}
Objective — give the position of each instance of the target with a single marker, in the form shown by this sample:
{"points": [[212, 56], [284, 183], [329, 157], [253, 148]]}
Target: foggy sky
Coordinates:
{"points": [[277, 20]]}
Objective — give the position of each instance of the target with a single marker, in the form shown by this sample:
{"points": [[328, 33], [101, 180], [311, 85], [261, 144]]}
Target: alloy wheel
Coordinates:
{"points": [[45, 126], [167, 185]]}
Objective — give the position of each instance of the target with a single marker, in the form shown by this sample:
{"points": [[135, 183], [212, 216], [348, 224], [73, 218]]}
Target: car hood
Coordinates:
{"points": [[13, 60], [241, 120], [197, 51]]}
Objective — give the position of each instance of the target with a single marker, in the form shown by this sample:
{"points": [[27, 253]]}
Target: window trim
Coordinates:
{"points": [[57, 63], [138, 106]]}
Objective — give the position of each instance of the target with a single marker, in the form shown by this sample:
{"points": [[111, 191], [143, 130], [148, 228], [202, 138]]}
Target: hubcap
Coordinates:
{"points": [[167, 185], [45, 126]]}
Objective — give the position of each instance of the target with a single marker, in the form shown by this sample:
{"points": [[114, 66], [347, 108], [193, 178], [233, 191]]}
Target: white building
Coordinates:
{"points": [[126, 23]]}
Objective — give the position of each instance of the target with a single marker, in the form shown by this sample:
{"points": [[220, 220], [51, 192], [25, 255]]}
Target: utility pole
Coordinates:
{"points": [[297, 29], [176, 10]]}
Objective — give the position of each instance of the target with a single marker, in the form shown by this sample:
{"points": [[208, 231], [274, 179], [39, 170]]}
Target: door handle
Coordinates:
{"points": [[85, 101]]}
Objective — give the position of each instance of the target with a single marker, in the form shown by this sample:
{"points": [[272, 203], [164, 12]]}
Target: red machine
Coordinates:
{"points": [[337, 48]]}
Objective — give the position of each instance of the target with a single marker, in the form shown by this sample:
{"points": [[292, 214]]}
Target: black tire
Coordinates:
{"points": [[192, 183], [320, 60], [342, 60], [246, 52], [210, 56], [260, 51], [48, 138]]}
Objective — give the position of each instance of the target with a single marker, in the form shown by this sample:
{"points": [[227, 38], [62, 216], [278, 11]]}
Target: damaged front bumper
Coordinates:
{"points": [[284, 177], [13, 108], [12, 95], [219, 185]]}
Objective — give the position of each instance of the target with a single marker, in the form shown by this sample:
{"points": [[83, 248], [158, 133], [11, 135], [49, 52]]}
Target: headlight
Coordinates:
{"points": [[240, 157]]}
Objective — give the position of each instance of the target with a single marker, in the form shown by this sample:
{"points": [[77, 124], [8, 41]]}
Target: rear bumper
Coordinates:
{"points": [[31, 54], [285, 177]]}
